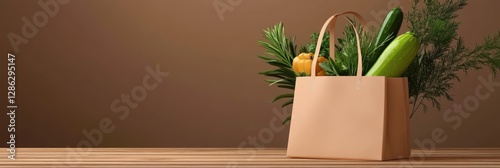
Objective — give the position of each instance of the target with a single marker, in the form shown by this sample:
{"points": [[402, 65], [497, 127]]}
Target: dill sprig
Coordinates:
{"points": [[442, 53]]}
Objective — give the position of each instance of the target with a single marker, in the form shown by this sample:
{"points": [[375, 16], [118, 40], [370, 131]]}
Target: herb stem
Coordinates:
{"points": [[416, 104]]}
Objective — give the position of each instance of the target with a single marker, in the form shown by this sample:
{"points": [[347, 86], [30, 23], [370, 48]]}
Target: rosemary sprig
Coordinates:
{"points": [[282, 50]]}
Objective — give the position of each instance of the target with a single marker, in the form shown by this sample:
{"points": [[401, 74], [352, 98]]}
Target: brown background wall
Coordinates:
{"points": [[91, 52]]}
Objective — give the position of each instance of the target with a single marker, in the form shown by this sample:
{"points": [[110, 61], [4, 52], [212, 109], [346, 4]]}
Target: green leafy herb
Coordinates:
{"points": [[325, 44], [443, 53], [282, 50]]}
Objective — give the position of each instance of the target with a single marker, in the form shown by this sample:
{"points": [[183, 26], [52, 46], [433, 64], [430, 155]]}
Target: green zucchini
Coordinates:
{"points": [[396, 57], [388, 30]]}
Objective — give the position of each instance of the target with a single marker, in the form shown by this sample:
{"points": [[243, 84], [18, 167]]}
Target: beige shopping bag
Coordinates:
{"points": [[349, 117]]}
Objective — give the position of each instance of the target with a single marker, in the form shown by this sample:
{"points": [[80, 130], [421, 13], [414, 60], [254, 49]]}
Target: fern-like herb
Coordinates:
{"points": [[282, 50], [443, 53]]}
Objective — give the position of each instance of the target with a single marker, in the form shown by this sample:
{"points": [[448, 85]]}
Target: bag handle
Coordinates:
{"points": [[331, 22]]}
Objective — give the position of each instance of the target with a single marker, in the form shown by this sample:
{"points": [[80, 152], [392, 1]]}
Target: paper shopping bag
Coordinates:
{"points": [[349, 117]]}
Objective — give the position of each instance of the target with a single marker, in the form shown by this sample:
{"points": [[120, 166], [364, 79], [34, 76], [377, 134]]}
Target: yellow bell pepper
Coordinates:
{"points": [[302, 64]]}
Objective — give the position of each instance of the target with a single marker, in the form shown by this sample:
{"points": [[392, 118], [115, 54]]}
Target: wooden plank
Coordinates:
{"points": [[227, 157]]}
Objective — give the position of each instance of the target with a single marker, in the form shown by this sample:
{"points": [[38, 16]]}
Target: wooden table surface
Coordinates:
{"points": [[232, 157]]}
